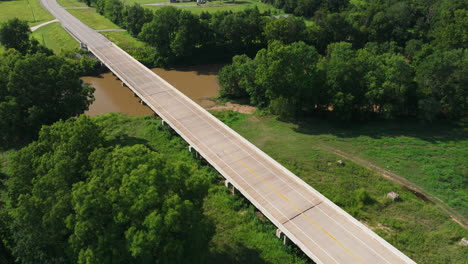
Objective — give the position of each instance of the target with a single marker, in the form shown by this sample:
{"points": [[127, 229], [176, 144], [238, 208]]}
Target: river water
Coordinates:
{"points": [[197, 82]]}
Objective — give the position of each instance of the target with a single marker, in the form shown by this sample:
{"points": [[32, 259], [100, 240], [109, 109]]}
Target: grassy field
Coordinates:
{"points": [[55, 38], [415, 226], [212, 6], [124, 40], [71, 3], [29, 10], [92, 19]]}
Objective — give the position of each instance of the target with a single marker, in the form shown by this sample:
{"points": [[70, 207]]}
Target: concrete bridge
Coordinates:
{"points": [[303, 216]]}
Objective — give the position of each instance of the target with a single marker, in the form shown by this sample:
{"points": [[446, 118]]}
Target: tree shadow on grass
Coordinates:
{"points": [[236, 254], [125, 141], [433, 132]]}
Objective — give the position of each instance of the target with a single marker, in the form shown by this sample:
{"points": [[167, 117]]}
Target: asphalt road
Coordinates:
{"points": [[321, 229]]}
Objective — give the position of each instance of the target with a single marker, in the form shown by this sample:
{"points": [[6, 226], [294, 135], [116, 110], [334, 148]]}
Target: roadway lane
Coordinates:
{"points": [[321, 229]]}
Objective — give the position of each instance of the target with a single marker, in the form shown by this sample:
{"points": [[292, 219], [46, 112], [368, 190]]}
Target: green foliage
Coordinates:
{"points": [[450, 31], [173, 32], [37, 89], [286, 30], [15, 34], [287, 71], [39, 189], [74, 195], [237, 78], [442, 84], [135, 196]]}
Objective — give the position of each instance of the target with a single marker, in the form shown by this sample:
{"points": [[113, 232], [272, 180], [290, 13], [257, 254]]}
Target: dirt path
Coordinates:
{"points": [[418, 191], [43, 24], [245, 109]]}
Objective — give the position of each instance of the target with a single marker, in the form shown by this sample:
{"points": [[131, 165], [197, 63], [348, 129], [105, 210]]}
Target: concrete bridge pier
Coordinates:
{"points": [[282, 236], [123, 84], [195, 153], [135, 95], [143, 102], [229, 185], [163, 122], [83, 46]]}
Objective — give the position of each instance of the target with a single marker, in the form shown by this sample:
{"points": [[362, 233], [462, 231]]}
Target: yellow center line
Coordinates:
{"points": [[300, 211]]}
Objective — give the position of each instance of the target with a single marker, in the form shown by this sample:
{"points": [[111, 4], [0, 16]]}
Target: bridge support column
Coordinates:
{"points": [[282, 236], [143, 102], [195, 152], [229, 185], [163, 122], [135, 95], [123, 84]]}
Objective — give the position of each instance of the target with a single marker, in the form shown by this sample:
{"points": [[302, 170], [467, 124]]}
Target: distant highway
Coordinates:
{"points": [[325, 232]]}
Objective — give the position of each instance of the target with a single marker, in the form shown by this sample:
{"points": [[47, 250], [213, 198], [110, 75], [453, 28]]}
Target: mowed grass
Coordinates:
{"points": [[28, 10], [54, 37], [91, 18], [415, 226], [124, 40], [213, 6], [71, 3]]}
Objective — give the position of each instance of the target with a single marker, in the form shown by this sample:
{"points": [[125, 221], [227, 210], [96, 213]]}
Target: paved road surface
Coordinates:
{"points": [[321, 229]]}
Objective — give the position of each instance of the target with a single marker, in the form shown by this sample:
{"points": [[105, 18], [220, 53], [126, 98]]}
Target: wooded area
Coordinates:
{"points": [[359, 60]]}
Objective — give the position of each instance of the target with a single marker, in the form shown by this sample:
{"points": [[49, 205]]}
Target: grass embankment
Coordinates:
{"points": [[91, 18], [71, 3], [413, 225], [54, 37], [239, 236], [28, 10], [212, 6]]}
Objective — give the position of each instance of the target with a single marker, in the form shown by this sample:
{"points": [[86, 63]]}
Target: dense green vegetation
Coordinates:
{"points": [[351, 71], [87, 183], [349, 84], [413, 225], [36, 87]]}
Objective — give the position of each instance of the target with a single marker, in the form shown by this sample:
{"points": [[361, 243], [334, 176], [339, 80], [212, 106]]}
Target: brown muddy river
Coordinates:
{"points": [[197, 82]]}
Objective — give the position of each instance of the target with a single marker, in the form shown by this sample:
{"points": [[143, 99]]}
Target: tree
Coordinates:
{"points": [[287, 71], [146, 207], [451, 31], [136, 17], [15, 34], [173, 33], [238, 78], [442, 84], [75, 198], [39, 189], [287, 30], [38, 89], [388, 80], [344, 79]]}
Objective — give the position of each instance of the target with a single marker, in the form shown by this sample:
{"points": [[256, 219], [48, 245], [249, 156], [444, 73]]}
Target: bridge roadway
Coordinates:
{"points": [[325, 232]]}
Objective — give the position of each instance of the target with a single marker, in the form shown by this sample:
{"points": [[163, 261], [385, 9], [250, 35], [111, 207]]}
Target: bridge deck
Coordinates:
{"points": [[321, 229]]}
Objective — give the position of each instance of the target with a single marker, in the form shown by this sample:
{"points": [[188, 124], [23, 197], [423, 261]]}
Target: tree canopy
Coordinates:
{"points": [[71, 194], [37, 89]]}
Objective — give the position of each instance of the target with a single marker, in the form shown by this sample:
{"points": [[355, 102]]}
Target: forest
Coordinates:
{"points": [[344, 60]]}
